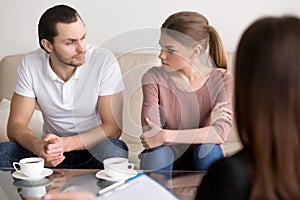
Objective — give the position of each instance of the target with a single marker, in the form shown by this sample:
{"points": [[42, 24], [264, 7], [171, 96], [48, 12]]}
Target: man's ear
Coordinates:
{"points": [[47, 45], [197, 50]]}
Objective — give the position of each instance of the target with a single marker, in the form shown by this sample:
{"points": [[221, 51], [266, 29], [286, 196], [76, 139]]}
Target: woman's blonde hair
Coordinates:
{"points": [[267, 107], [195, 27]]}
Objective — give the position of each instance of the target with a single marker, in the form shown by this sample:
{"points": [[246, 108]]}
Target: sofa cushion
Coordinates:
{"points": [[133, 66], [35, 124]]}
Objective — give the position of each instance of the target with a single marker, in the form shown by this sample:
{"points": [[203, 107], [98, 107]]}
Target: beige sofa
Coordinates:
{"points": [[133, 65]]}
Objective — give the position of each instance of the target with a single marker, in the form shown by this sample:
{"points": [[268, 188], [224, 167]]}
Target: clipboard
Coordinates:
{"points": [[136, 188]]}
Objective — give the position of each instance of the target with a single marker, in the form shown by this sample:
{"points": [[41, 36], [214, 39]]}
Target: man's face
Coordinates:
{"points": [[69, 46]]}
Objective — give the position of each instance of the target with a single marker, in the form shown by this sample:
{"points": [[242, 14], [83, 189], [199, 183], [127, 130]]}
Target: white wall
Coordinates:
{"points": [[112, 19]]}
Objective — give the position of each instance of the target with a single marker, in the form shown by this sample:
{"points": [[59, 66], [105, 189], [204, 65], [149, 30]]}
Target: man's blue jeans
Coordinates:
{"points": [[90, 159], [162, 157]]}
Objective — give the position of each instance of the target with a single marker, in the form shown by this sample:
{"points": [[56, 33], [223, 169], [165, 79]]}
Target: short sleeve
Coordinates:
{"points": [[24, 84], [111, 78]]}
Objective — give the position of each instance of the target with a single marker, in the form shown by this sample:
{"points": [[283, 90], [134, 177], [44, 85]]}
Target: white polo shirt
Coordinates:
{"points": [[69, 107]]}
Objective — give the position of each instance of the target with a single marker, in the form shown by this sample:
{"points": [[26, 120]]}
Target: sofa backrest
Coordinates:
{"points": [[133, 66], [8, 75], [128, 62]]}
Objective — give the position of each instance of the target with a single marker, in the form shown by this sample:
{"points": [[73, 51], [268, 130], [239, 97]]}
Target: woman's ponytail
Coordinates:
{"points": [[216, 49]]}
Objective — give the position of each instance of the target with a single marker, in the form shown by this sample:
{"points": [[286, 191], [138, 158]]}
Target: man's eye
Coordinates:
{"points": [[70, 42], [171, 50]]}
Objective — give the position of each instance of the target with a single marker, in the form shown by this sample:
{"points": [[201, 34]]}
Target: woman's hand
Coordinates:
{"points": [[221, 112], [153, 137]]}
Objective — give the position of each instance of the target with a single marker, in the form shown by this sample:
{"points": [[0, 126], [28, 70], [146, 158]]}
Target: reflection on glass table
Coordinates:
{"points": [[183, 184]]}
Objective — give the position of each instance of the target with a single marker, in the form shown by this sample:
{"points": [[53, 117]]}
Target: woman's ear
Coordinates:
{"points": [[47, 45], [197, 50]]}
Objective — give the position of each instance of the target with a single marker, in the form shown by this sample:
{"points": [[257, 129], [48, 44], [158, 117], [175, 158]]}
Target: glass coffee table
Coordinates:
{"points": [[183, 184]]}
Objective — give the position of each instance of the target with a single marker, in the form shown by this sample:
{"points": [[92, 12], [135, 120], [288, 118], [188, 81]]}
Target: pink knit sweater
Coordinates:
{"points": [[172, 108]]}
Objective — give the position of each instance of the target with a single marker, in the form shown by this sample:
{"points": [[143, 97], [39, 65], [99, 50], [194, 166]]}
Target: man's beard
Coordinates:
{"points": [[70, 61]]}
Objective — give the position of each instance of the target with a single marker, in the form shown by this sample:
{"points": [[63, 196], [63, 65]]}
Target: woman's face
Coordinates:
{"points": [[173, 54]]}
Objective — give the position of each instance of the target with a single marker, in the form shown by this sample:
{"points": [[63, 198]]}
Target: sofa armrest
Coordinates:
{"points": [[35, 124]]}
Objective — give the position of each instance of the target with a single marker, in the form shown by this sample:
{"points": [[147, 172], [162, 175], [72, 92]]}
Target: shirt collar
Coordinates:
{"points": [[54, 77]]}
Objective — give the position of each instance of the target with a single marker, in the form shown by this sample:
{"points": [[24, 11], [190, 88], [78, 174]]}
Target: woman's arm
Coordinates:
{"points": [[216, 131], [156, 136]]}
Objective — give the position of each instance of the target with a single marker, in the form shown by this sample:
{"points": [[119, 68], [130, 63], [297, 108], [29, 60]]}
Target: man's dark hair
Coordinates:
{"points": [[57, 14]]}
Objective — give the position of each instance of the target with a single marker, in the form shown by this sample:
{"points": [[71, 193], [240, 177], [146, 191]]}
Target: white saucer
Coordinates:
{"points": [[45, 172], [38, 183], [102, 175]]}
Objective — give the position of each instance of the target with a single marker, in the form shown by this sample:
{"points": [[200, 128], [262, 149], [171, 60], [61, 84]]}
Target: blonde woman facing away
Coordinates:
{"points": [[267, 109]]}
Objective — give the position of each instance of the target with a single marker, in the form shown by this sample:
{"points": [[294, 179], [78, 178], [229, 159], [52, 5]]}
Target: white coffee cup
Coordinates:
{"points": [[118, 167], [36, 192], [31, 167]]}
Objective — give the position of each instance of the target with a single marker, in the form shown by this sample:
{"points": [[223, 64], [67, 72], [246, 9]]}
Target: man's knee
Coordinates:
{"points": [[8, 148], [110, 148], [117, 143], [12, 152], [112, 144]]}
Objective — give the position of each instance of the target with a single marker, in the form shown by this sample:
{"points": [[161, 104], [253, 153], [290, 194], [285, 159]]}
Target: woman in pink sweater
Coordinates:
{"points": [[187, 105]]}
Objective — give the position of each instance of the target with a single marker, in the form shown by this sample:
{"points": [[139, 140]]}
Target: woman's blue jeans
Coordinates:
{"points": [[90, 159], [162, 157]]}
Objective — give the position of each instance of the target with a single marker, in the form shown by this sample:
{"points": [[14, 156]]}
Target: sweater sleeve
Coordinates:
{"points": [[150, 105], [224, 93]]}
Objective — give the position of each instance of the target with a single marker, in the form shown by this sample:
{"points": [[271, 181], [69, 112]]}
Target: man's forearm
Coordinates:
{"points": [[23, 136], [91, 138]]}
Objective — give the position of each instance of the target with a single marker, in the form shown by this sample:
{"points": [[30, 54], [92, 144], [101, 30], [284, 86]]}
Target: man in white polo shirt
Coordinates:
{"points": [[78, 87]]}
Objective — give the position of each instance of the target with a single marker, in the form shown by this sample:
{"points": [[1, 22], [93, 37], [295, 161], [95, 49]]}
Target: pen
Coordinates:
{"points": [[116, 185], [111, 187]]}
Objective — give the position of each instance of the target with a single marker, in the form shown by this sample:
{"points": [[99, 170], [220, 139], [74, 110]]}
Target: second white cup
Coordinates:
{"points": [[117, 167]]}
